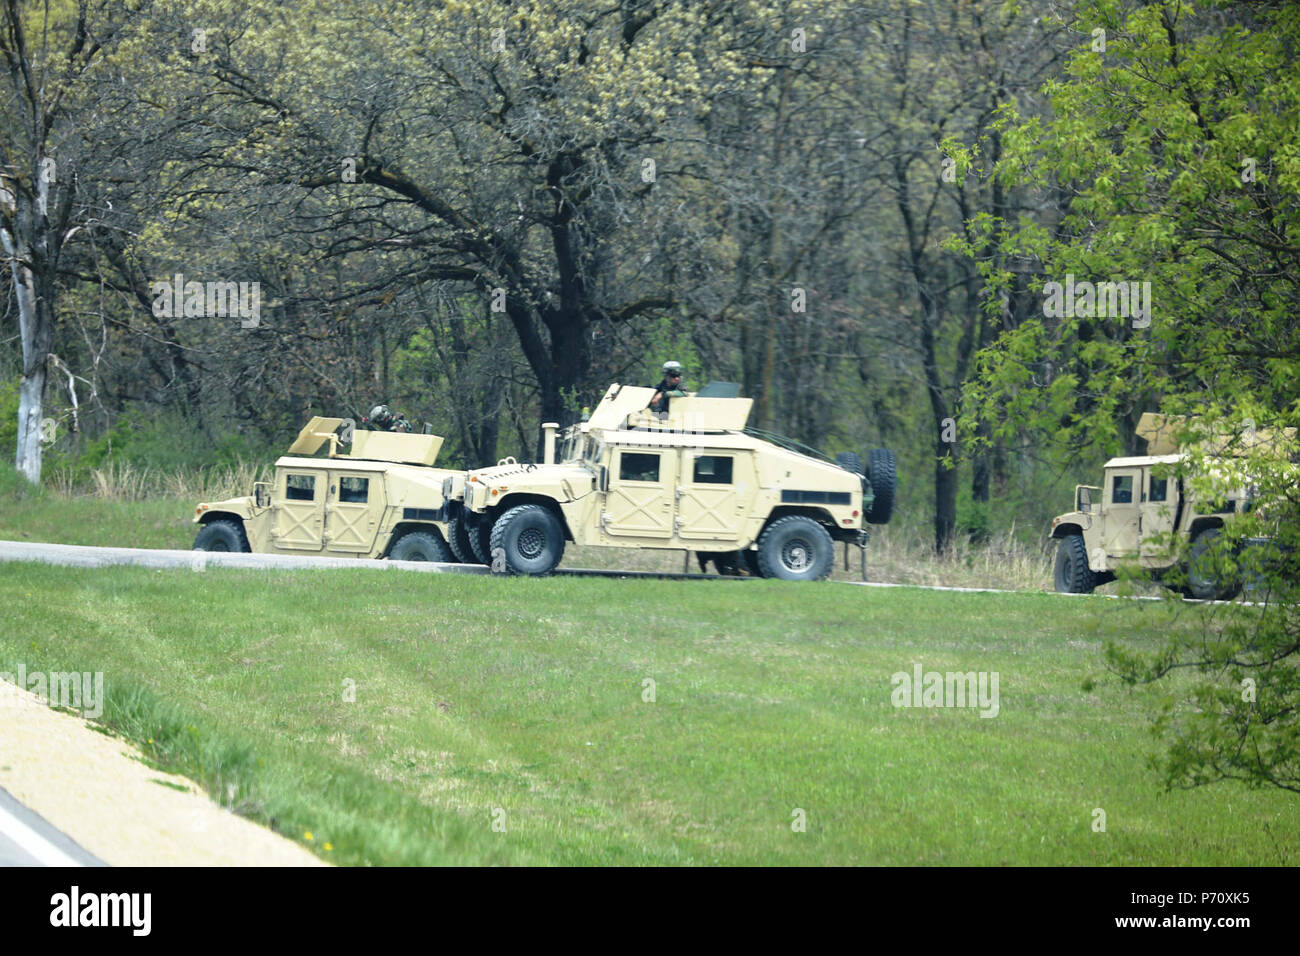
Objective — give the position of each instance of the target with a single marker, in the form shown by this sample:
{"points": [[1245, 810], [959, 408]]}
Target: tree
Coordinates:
{"points": [[935, 79], [517, 150], [1174, 141]]}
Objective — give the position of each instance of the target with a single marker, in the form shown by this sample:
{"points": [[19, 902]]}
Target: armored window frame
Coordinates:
{"points": [[353, 489], [636, 466], [299, 487], [1121, 489], [721, 470]]}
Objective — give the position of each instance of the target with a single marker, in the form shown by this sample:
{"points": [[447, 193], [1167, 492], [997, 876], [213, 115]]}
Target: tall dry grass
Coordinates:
{"points": [[123, 481], [905, 554], [897, 554]]}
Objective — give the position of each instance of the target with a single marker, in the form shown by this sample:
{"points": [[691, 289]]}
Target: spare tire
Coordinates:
{"points": [[850, 460], [883, 474]]}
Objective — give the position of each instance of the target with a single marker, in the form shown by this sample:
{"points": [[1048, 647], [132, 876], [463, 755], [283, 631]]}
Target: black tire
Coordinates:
{"points": [[1203, 579], [479, 528], [883, 474], [421, 546], [458, 539], [750, 561], [1072, 574], [222, 535], [795, 548], [851, 461], [531, 537]]}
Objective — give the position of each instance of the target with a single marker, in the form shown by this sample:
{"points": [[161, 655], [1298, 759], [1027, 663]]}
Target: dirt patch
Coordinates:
{"points": [[97, 790]]}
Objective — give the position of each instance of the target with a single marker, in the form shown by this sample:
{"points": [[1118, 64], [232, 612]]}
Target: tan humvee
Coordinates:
{"points": [[1145, 516], [692, 479], [384, 499]]}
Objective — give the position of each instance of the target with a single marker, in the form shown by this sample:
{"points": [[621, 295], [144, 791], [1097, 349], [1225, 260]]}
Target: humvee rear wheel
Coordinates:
{"points": [[795, 548], [883, 475], [479, 528], [530, 537], [850, 461], [1072, 574], [1205, 581], [222, 535], [458, 539], [421, 546]]}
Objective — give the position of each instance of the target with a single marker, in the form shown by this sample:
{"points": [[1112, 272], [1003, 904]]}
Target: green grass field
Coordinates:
{"points": [[523, 701]]}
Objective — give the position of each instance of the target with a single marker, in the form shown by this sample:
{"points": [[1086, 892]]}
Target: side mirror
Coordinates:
{"points": [[262, 494], [604, 478]]}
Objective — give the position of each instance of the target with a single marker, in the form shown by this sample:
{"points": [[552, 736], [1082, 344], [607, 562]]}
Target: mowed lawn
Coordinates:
{"points": [[399, 716]]}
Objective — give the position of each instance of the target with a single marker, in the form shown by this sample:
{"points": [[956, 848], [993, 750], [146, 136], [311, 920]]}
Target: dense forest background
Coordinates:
{"points": [[483, 212]]}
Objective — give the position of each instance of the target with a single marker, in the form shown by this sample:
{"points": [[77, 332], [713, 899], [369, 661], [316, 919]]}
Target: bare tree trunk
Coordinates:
{"points": [[36, 327]]}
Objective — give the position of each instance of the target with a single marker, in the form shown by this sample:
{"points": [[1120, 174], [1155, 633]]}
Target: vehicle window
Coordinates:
{"points": [[1159, 489], [354, 489], [300, 487], [634, 466], [713, 470], [1121, 490]]}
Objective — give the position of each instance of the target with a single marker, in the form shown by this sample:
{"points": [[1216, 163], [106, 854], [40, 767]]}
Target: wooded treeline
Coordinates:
{"points": [[483, 212]]}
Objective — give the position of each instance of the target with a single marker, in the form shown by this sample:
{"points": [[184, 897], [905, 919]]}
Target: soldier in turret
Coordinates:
{"points": [[382, 419], [670, 386]]}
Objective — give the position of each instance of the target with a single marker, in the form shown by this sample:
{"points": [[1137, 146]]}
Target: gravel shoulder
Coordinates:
{"points": [[98, 791]]}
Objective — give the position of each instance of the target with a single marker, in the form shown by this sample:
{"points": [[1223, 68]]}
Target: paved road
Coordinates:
{"points": [[28, 840], [81, 556]]}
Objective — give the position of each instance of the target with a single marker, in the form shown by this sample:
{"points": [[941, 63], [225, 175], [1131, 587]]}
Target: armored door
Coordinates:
{"points": [[299, 511], [642, 485], [1159, 508], [1120, 511], [713, 496], [353, 508]]}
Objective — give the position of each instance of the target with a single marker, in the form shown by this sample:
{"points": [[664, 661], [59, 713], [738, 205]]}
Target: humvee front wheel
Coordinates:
{"points": [[421, 546], [222, 535], [795, 548], [1205, 581], [531, 538], [1072, 574]]}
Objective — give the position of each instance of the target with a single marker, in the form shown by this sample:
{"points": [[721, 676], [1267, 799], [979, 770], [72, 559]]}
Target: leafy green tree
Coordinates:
{"points": [[1174, 142], [520, 150]]}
